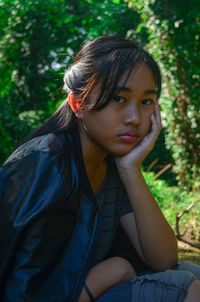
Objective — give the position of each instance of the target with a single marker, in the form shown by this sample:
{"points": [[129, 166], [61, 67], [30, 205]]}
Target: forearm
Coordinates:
{"points": [[157, 239]]}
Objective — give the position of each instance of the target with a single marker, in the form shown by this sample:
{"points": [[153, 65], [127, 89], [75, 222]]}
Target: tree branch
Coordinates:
{"points": [[178, 217], [162, 170]]}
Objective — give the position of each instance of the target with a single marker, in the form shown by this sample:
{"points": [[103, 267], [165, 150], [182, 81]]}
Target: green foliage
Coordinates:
{"points": [[159, 158], [172, 200], [166, 196], [173, 28], [179, 26], [38, 39], [30, 35]]}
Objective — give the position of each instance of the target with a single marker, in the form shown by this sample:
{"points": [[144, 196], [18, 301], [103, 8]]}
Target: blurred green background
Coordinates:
{"points": [[38, 41]]}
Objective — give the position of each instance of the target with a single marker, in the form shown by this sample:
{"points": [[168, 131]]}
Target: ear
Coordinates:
{"points": [[74, 103]]}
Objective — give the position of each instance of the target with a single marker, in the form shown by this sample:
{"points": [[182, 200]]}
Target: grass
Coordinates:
{"points": [[172, 201]]}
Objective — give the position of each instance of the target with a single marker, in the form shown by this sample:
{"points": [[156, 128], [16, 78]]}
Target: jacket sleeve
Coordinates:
{"points": [[36, 222]]}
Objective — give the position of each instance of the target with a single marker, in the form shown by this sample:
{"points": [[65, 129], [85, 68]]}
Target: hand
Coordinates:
{"points": [[135, 157]]}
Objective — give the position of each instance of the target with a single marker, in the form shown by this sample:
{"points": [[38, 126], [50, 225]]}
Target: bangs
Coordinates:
{"points": [[110, 69], [102, 62], [113, 67]]}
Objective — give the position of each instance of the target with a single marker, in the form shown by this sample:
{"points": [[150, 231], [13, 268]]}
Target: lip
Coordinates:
{"points": [[129, 136]]}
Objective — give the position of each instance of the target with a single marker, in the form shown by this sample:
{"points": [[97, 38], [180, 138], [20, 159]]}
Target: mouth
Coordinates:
{"points": [[129, 136]]}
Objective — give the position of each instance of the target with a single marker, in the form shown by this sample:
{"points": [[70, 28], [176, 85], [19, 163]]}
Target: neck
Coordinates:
{"points": [[94, 161]]}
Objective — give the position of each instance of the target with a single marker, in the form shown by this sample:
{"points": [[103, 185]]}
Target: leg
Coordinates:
{"points": [[105, 275], [173, 286], [189, 267], [193, 293], [162, 287], [119, 293]]}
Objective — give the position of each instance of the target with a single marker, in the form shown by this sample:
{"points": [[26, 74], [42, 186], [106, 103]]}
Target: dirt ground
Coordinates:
{"points": [[187, 252]]}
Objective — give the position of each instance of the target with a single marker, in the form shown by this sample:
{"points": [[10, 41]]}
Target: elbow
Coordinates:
{"points": [[174, 257], [172, 260], [167, 260], [170, 257], [165, 264], [169, 263]]}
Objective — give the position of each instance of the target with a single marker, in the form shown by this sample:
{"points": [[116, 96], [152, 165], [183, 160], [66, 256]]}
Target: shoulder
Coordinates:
{"points": [[34, 176], [59, 145], [32, 168], [37, 144], [42, 160], [43, 155]]}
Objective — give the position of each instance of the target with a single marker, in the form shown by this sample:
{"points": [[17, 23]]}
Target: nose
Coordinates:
{"points": [[133, 115]]}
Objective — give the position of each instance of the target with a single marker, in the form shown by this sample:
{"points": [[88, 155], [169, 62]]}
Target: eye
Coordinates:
{"points": [[120, 99], [147, 102]]}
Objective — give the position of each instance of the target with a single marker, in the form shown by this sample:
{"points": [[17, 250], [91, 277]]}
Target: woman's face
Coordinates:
{"points": [[124, 122]]}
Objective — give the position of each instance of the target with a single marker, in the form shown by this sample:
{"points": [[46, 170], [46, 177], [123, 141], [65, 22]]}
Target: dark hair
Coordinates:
{"points": [[95, 63]]}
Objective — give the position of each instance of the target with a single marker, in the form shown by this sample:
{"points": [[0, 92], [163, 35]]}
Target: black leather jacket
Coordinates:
{"points": [[46, 234]]}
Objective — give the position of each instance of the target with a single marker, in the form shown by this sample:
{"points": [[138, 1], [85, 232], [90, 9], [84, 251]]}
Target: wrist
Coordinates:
{"points": [[132, 172]]}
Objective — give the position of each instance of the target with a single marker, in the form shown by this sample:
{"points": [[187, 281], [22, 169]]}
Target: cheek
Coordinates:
{"points": [[108, 119], [147, 121], [99, 123]]}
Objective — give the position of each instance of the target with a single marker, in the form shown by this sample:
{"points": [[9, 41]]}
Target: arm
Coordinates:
{"points": [[105, 275], [33, 218], [148, 230]]}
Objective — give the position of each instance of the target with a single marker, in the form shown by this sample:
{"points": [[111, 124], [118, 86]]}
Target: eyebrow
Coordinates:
{"points": [[148, 91]]}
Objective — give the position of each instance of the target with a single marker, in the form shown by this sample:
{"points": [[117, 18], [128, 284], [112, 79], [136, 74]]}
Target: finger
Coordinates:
{"points": [[156, 123], [157, 113], [156, 126]]}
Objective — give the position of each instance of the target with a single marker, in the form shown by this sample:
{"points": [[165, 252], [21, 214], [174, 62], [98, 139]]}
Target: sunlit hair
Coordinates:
{"points": [[103, 61]]}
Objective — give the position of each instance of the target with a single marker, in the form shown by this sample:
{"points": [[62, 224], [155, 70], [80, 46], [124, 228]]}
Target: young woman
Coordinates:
{"points": [[65, 191]]}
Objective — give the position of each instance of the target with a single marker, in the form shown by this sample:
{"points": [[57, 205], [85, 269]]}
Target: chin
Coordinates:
{"points": [[125, 149], [122, 152]]}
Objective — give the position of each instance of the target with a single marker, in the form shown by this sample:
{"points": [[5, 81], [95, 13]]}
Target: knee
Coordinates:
{"points": [[193, 292], [124, 268]]}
